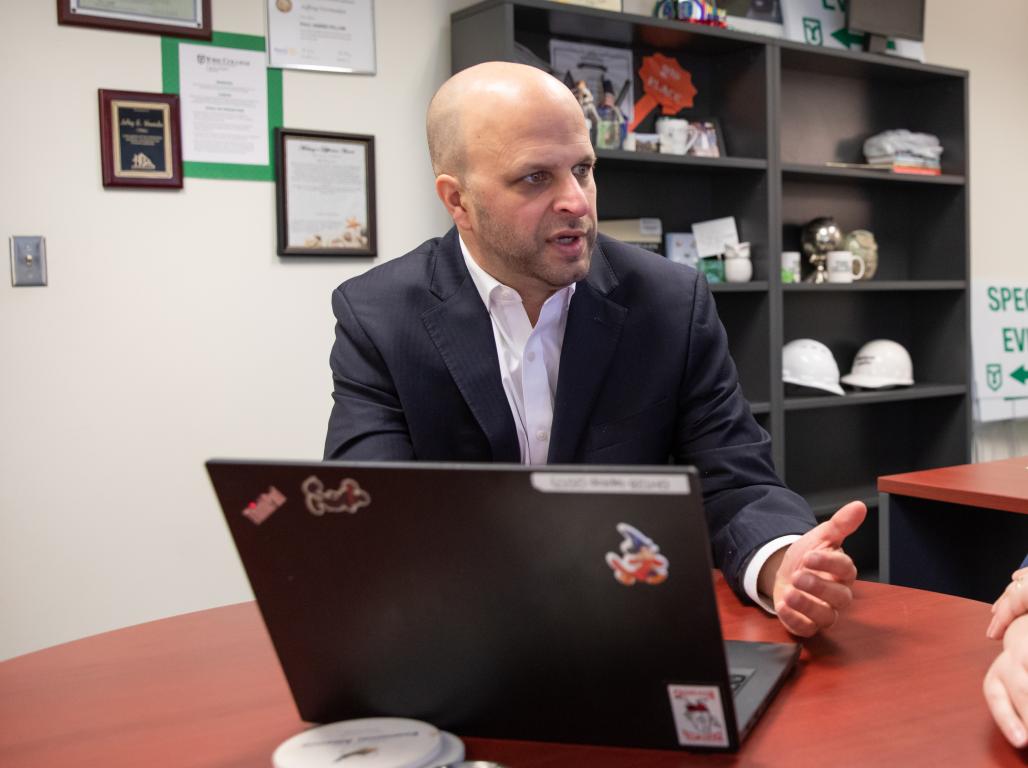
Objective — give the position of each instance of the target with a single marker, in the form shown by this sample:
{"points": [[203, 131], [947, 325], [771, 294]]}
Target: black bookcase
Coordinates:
{"points": [[786, 110]]}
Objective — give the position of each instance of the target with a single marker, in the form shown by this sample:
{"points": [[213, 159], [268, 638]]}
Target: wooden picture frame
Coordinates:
{"points": [[140, 139], [325, 193], [133, 16]]}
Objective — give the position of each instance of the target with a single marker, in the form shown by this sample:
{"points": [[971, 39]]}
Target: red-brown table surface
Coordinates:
{"points": [[896, 683], [999, 485]]}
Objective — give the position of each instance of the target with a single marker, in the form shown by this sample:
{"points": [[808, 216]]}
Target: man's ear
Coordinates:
{"points": [[449, 190]]}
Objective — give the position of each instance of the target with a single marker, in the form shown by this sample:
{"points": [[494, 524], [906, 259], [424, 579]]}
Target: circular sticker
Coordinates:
{"points": [[374, 742]]}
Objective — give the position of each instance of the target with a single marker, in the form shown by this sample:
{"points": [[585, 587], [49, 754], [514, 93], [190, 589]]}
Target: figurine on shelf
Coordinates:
{"points": [[588, 105], [610, 129], [819, 236]]}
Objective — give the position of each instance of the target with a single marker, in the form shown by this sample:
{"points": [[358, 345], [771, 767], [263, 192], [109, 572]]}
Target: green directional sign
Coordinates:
{"points": [[999, 327]]}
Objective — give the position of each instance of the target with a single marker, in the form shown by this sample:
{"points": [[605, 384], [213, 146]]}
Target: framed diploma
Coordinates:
{"points": [[140, 144], [177, 18], [325, 183], [328, 36]]}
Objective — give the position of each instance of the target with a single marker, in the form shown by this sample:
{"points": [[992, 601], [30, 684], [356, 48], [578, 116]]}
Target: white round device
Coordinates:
{"points": [[375, 742]]}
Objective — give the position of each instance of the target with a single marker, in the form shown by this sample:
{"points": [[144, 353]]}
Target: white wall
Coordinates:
{"points": [[171, 332]]}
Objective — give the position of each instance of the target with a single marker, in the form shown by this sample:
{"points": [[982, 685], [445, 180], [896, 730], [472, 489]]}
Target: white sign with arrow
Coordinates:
{"points": [[999, 325]]}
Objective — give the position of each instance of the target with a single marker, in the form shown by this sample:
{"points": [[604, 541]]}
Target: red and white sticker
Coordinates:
{"points": [[264, 506], [699, 716]]}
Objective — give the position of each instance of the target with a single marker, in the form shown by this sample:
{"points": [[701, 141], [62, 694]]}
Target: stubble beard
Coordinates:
{"points": [[525, 255]]}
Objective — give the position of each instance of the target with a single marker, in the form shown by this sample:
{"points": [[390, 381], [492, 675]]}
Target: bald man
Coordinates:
{"points": [[523, 336]]}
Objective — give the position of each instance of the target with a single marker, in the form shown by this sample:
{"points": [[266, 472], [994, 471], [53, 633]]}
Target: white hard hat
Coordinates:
{"points": [[881, 363], [809, 363]]}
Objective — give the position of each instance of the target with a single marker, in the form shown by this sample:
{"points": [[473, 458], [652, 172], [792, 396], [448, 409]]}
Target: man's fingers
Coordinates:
{"points": [[795, 621], [1011, 604], [817, 611], [836, 595], [833, 563], [998, 699], [844, 522]]}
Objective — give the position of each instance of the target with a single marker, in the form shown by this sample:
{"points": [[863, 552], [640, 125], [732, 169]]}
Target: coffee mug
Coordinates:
{"points": [[676, 135], [841, 265], [790, 266]]}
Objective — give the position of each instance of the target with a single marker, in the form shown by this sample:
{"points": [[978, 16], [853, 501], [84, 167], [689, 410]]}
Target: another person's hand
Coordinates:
{"points": [[1011, 604], [1006, 684], [814, 576]]}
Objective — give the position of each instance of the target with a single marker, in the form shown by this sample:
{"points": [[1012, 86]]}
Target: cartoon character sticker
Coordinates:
{"points": [[699, 717], [349, 497], [640, 558], [260, 510]]}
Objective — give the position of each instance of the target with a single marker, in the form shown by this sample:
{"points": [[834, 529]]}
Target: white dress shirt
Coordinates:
{"points": [[529, 364]]}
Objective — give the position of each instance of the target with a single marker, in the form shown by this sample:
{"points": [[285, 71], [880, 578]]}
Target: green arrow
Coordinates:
{"points": [[847, 38], [1020, 374]]}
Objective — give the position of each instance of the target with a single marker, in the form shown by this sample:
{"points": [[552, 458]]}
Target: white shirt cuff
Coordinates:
{"points": [[749, 578]]}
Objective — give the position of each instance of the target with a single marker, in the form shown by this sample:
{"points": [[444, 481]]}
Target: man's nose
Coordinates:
{"points": [[572, 197]]}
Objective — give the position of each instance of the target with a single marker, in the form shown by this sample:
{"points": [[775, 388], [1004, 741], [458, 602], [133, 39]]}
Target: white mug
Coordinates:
{"points": [[676, 135], [840, 267]]}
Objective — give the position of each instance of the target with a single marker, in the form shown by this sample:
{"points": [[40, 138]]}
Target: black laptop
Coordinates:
{"points": [[557, 603]]}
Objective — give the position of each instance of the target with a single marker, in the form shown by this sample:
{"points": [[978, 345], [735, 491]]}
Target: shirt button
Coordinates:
{"points": [[542, 434], [530, 356]]}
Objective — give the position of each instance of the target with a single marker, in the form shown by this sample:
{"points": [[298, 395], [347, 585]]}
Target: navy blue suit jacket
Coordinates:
{"points": [[645, 378]]}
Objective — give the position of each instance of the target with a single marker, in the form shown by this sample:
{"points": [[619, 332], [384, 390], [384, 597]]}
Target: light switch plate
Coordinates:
{"points": [[28, 260]]}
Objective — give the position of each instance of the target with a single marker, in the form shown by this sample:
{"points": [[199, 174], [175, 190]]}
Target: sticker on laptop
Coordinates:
{"points": [[265, 505], [654, 484], [699, 716], [348, 497], [640, 558]]}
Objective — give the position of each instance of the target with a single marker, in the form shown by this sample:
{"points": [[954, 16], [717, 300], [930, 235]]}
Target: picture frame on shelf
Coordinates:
{"points": [[325, 192], [140, 139], [709, 140], [174, 18]]}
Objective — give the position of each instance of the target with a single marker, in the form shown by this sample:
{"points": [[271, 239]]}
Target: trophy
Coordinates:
{"points": [[818, 237]]}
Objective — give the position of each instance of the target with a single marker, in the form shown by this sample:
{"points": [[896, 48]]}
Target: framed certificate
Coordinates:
{"points": [[328, 36], [140, 144], [325, 184], [178, 18]]}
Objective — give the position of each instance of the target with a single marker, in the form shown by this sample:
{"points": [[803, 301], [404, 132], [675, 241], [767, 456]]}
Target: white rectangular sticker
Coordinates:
{"points": [[610, 482], [699, 716]]}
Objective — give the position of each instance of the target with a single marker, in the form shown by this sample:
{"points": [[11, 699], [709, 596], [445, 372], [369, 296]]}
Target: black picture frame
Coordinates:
{"points": [[711, 141], [346, 237], [68, 13], [140, 139]]}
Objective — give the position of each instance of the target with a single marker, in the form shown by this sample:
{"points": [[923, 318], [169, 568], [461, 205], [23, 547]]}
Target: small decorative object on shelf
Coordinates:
{"points": [[862, 243], [790, 266], [819, 236], [738, 267], [706, 139], [881, 364], [666, 84], [694, 11], [610, 130]]}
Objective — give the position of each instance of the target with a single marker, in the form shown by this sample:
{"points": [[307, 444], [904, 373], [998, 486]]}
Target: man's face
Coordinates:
{"points": [[532, 198]]}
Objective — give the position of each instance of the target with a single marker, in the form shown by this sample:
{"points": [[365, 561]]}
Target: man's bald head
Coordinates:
{"points": [[465, 104]]}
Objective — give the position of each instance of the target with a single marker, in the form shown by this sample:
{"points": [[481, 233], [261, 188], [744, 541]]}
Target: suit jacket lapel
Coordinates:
{"points": [[590, 338], [463, 333]]}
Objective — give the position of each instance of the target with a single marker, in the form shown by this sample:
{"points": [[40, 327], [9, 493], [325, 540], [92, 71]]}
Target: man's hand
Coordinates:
{"points": [[1006, 684], [1011, 604], [812, 577]]}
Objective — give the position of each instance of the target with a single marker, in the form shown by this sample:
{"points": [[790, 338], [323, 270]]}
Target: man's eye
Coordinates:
{"points": [[536, 178], [582, 170]]}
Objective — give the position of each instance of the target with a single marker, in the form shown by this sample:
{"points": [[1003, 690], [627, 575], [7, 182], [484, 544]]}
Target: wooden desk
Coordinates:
{"points": [[896, 683], [959, 530]]}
